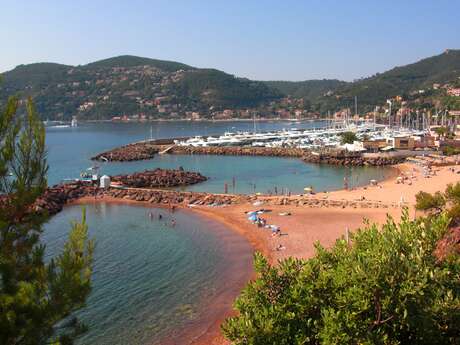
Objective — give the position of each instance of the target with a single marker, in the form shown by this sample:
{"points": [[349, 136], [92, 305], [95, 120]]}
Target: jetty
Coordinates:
{"points": [[148, 150], [159, 178]]}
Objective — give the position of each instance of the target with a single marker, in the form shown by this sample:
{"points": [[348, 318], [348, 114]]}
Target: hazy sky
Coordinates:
{"points": [[288, 40]]}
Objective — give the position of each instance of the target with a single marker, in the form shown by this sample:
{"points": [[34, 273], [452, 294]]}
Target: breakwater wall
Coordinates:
{"points": [[159, 178], [128, 153], [56, 197], [351, 159], [147, 150]]}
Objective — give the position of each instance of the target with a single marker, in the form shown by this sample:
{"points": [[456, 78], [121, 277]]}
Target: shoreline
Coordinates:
{"points": [[208, 120], [307, 225], [206, 328]]}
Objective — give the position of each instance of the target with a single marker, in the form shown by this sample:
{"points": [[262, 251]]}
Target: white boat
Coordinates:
{"points": [[302, 138]]}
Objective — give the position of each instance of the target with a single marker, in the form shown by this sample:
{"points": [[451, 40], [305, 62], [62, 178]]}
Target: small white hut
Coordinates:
{"points": [[104, 182]]}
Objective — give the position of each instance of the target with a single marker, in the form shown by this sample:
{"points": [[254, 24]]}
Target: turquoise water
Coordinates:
{"points": [[152, 280], [70, 149]]}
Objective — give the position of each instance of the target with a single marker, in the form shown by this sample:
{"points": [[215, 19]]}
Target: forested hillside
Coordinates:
{"points": [[128, 85], [137, 86]]}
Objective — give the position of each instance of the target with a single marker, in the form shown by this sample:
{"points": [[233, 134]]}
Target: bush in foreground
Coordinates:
{"points": [[385, 287], [434, 204]]}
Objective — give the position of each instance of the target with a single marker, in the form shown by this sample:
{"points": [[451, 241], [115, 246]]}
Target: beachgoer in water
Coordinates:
{"points": [[173, 223], [160, 217]]}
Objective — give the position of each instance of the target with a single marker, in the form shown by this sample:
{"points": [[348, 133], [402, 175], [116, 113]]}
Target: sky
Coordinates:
{"points": [[262, 40]]}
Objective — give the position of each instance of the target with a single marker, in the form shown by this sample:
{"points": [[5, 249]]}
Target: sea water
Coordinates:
{"points": [[70, 150], [152, 277], [151, 280]]}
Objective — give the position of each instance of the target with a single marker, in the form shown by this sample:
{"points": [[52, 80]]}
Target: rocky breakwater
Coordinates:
{"points": [[348, 159], [175, 197], [54, 198], [128, 153], [159, 178], [141, 151], [237, 151]]}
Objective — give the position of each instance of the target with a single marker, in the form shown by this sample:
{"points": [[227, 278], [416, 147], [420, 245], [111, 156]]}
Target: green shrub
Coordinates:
{"points": [[348, 138], [386, 287]]}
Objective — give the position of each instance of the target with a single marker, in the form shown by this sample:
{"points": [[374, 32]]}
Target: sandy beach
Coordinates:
{"points": [[307, 225]]}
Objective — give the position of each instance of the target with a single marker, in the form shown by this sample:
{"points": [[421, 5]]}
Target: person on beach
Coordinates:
{"points": [[280, 247]]}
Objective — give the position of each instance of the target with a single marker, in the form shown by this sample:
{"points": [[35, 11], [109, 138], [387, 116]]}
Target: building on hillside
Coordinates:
{"points": [[228, 113], [454, 92], [342, 114], [193, 115]]}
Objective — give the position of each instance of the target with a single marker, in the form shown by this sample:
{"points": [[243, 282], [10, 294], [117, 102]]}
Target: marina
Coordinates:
{"points": [[311, 139]]}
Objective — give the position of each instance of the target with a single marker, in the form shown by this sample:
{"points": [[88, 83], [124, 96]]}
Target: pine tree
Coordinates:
{"points": [[37, 298]]}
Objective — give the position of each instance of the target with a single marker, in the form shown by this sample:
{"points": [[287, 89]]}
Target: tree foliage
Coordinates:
{"points": [[385, 287], [437, 202], [348, 138], [35, 296]]}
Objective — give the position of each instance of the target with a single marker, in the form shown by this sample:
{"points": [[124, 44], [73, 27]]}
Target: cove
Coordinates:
{"points": [[154, 281]]}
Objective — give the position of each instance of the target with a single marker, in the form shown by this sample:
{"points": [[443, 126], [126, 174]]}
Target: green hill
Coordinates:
{"points": [[401, 80], [213, 87], [129, 85], [36, 75], [309, 89], [376, 89], [133, 61]]}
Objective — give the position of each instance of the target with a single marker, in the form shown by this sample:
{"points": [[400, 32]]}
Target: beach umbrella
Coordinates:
{"points": [[253, 217]]}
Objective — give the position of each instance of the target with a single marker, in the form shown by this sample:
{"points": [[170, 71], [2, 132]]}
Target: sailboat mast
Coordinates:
{"points": [[356, 107]]}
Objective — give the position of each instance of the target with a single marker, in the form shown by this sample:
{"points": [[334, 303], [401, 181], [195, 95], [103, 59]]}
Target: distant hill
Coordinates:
{"points": [[331, 94], [133, 61], [215, 87], [309, 89], [127, 85], [401, 80]]}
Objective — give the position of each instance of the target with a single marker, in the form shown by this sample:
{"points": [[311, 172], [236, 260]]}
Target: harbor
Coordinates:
{"points": [[371, 143], [302, 216]]}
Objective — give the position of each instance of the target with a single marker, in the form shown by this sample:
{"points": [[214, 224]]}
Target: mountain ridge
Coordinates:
{"points": [[128, 84]]}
